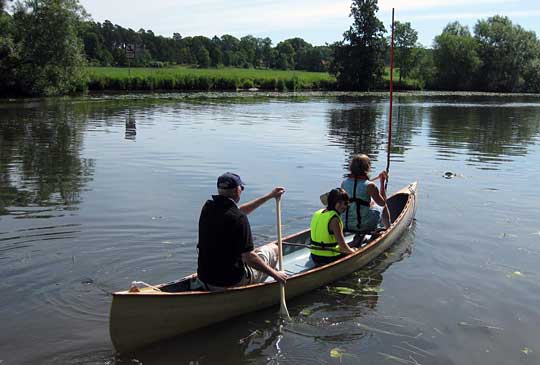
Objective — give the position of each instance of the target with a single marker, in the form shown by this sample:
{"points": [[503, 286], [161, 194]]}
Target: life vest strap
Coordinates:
{"points": [[322, 244]]}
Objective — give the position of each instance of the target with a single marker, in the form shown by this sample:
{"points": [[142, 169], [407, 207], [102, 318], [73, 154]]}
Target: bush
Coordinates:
{"points": [[247, 84], [281, 85], [156, 64], [225, 83], [268, 84]]}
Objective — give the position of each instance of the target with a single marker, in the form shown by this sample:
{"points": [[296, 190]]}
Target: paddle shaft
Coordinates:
{"points": [[311, 246], [284, 312], [391, 98]]}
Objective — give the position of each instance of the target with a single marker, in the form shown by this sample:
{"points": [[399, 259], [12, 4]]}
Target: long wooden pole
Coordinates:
{"points": [[283, 311], [391, 95]]}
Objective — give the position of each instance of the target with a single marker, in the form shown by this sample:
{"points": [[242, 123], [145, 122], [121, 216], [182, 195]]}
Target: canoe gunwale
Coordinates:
{"points": [[410, 190]]}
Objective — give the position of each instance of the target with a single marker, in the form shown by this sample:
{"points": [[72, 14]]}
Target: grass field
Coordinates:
{"points": [[182, 78], [186, 79]]}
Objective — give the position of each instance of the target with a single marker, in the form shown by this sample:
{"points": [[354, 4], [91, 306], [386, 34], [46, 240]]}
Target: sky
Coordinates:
{"points": [[316, 21]]}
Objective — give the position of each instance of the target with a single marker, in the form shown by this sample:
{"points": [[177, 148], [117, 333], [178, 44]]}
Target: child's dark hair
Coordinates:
{"points": [[359, 165], [335, 196]]}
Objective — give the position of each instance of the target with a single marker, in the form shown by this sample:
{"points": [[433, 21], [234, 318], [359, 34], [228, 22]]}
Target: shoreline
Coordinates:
{"points": [[157, 94]]}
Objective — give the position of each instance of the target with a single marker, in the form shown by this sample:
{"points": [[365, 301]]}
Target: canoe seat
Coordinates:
{"points": [[300, 260]]}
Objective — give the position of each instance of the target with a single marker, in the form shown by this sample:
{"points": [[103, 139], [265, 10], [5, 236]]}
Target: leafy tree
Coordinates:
{"points": [[285, 56], [266, 55], [455, 57], [405, 42], [51, 53], [359, 57], [505, 50], [248, 46], [203, 56], [423, 70], [531, 75], [9, 55]]}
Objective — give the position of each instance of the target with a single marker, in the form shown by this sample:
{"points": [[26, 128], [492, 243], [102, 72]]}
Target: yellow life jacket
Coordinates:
{"points": [[320, 234]]}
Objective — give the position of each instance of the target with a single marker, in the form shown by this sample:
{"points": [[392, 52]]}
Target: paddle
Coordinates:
{"points": [[283, 306], [391, 99]]}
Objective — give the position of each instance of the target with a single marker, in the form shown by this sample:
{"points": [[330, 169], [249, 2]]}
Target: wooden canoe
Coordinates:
{"points": [[151, 315]]}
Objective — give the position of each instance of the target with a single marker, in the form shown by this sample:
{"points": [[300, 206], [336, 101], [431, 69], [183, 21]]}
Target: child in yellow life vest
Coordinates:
{"points": [[327, 239]]}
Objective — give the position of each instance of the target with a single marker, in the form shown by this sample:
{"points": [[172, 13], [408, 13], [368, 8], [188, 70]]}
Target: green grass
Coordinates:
{"points": [[183, 78]]}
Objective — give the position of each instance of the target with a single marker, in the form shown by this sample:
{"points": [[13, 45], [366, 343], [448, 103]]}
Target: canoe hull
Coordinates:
{"points": [[139, 319]]}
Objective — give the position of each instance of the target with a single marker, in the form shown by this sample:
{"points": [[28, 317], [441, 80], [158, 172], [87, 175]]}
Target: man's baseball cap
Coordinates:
{"points": [[229, 180]]}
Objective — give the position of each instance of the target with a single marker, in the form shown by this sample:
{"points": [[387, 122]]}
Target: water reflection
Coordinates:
{"points": [[131, 127], [40, 163], [359, 129], [488, 136], [363, 128]]}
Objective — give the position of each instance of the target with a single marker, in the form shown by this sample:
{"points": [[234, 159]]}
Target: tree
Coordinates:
{"points": [[405, 43], [359, 58], [423, 70], [285, 56], [505, 50], [51, 53], [455, 58], [9, 55]]}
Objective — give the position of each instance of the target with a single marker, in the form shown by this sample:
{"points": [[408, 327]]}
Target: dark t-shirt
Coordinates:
{"points": [[224, 235]]}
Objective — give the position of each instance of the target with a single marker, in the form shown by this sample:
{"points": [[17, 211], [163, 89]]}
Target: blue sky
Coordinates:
{"points": [[316, 21]]}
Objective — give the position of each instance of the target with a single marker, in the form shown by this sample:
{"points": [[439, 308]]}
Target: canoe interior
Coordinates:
{"points": [[296, 259]]}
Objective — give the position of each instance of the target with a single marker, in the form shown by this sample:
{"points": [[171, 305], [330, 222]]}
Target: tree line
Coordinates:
{"points": [[104, 45], [499, 57], [45, 46]]}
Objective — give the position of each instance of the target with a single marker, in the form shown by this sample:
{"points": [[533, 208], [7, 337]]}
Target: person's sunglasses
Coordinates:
{"points": [[242, 187]]}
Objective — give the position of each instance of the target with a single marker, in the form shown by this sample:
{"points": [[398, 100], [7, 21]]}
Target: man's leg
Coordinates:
{"points": [[269, 254]]}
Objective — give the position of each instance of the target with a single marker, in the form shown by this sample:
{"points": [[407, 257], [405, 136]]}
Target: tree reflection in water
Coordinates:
{"points": [[40, 162]]}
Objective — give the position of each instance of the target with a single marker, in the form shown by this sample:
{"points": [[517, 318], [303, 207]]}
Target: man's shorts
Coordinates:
{"points": [[251, 275]]}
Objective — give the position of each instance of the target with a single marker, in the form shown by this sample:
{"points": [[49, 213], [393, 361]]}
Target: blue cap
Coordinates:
{"points": [[229, 180]]}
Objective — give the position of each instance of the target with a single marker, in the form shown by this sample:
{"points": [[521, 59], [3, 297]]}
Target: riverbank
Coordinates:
{"points": [[183, 78], [246, 94]]}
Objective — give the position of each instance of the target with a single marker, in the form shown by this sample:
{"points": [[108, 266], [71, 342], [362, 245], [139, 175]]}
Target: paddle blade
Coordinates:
{"points": [[283, 311]]}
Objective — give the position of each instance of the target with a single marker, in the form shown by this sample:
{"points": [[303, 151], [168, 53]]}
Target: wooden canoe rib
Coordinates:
{"points": [[139, 319]]}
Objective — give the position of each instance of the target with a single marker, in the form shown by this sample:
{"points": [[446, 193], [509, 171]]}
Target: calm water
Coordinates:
{"points": [[95, 193]]}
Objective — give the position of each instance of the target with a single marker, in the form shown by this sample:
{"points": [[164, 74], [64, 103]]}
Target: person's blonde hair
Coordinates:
{"points": [[360, 165]]}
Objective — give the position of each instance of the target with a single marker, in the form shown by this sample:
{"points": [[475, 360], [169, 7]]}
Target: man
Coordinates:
{"points": [[226, 254]]}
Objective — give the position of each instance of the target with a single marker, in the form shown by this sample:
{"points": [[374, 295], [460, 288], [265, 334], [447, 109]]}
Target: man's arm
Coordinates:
{"points": [[254, 204], [253, 260]]}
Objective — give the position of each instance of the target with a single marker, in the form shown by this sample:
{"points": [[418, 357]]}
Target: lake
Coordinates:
{"points": [[97, 192]]}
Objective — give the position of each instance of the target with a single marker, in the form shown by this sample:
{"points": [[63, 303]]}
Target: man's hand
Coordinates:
{"points": [[280, 276], [276, 192]]}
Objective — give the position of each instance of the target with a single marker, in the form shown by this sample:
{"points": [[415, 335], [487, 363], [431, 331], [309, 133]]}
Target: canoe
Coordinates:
{"points": [[166, 310]]}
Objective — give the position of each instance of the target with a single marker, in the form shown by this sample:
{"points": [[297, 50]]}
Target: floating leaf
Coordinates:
{"points": [[373, 289], [514, 274], [526, 350], [344, 290], [336, 353], [306, 312]]}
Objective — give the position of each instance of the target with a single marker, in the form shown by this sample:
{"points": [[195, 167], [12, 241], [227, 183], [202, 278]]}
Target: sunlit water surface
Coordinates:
{"points": [[95, 193]]}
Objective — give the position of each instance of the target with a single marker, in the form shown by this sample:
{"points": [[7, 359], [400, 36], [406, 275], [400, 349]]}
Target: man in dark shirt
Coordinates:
{"points": [[226, 254]]}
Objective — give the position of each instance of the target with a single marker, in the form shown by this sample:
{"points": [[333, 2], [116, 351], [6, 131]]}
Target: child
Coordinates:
{"points": [[362, 216], [327, 240]]}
